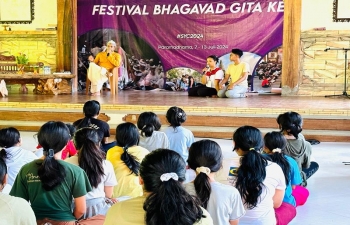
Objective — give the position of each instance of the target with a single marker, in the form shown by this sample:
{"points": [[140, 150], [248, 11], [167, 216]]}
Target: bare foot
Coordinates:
{"points": [[95, 94]]}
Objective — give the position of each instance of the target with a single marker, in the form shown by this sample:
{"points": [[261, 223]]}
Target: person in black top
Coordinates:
{"points": [[91, 111]]}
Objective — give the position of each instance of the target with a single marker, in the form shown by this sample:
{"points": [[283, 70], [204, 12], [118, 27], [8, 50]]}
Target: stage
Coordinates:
{"points": [[160, 101], [324, 117]]}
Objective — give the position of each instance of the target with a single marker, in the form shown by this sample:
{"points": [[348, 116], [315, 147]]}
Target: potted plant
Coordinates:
{"points": [[22, 60]]}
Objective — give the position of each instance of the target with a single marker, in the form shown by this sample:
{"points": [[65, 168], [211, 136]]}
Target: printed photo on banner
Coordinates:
{"points": [[170, 40]]}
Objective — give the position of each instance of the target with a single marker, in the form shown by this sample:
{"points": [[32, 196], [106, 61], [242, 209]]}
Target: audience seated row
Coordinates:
{"points": [[141, 179]]}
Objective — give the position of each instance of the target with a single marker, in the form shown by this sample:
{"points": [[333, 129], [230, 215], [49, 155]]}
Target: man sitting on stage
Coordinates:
{"points": [[104, 67], [238, 72]]}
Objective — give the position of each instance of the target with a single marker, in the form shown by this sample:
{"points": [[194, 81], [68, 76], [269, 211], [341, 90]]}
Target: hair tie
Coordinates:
{"points": [[251, 149], [125, 149], [278, 150], [168, 176], [179, 115], [51, 153], [203, 169]]}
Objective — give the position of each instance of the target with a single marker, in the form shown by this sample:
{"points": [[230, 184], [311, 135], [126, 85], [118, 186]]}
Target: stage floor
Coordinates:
{"points": [[160, 101]]}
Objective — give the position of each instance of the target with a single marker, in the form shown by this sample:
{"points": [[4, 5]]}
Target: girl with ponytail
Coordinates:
{"points": [[223, 202], [126, 158], [91, 111], [261, 183], [51, 184], [12, 153], [275, 144], [165, 201], [100, 172], [297, 147], [151, 138]]}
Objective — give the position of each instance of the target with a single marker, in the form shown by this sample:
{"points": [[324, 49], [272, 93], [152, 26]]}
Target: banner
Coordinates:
{"points": [[179, 33]]}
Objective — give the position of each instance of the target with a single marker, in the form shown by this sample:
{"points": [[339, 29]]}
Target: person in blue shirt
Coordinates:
{"points": [[180, 138], [275, 143]]}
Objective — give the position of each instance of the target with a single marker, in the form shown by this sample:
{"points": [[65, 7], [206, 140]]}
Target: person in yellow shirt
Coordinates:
{"points": [[105, 66], [165, 201], [238, 72], [126, 158]]}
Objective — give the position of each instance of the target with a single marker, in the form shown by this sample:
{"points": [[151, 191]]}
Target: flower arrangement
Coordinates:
{"points": [[22, 59]]}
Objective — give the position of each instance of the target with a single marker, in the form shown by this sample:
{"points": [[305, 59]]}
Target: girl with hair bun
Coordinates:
{"points": [[212, 75], [14, 211], [260, 182], [165, 201], [12, 153], [180, 138], [223, 202], [100, 172], [151, 138], [126, 158], [51, 184], [297, 147]]}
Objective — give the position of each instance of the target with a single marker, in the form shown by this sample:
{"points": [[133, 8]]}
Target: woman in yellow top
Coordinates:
{"points": [[126, 158], [165, 200], [105, 63]]}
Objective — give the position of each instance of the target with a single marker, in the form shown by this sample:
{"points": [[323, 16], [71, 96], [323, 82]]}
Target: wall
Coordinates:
{"points": [[319, 13], [322, 72], [39, 46], [45, 12]]}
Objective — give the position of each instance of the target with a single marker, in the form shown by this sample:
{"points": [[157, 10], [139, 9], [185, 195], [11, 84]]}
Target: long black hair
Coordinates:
{"points": [[204, 153], [127, 136], [53, 137], [9, 137], [3, 172], [275, 142], [91, 109], [252, 171], [168, 202], [175, 116], [290, 122], [90, 155], [147, 123]]}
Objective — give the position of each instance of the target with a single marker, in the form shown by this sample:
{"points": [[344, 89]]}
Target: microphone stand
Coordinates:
{"points": [[346, 60]]}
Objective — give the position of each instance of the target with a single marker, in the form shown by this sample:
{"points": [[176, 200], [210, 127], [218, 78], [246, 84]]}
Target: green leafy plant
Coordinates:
{"points": [[22, 59]]}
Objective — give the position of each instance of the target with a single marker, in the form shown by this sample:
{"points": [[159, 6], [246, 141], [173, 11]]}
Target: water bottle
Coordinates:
{"points": [[83, 49]]}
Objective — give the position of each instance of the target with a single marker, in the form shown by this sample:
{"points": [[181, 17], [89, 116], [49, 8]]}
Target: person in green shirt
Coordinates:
{"points": [[51, 184]]}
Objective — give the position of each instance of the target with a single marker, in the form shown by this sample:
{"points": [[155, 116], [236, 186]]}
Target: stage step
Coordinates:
{"points": [[323, 129]]}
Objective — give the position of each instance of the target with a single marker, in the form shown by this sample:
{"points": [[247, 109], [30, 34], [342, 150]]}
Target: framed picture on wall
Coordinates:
{"points": [[16, 11], [341, 12]]}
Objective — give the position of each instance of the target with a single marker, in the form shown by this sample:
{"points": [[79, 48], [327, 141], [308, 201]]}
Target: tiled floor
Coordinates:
{"points": [[329, 201]]}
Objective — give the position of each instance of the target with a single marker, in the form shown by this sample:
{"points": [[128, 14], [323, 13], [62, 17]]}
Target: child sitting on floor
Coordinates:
{"points": [[179, 137], [297, 147]]}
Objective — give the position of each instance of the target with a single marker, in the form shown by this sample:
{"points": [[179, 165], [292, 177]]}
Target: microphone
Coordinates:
{"points": [[326, 49], [207, 67]]}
